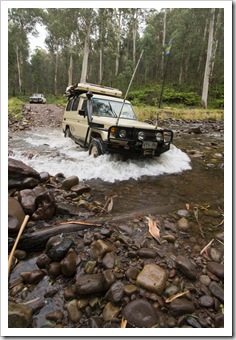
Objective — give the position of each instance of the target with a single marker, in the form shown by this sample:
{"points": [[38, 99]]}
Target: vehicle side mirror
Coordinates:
{"points": [[82, 113]]}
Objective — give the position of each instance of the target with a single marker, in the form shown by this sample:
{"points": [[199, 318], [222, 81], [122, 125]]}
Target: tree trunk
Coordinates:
{"points": [[163, 44], [208, 61], [135, 27], [118, 42], [56, 72], [70, 71], [86, 54], [18, 68], [100, 64]]}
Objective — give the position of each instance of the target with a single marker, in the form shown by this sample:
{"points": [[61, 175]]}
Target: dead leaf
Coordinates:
{"points": [[123, 323], [187, 206], [173, 297], [110, 205], [153, 229]]}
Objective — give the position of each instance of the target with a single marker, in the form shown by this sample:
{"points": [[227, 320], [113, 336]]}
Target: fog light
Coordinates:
{"points": [[168, 137], [141, 135], [159, 136]]}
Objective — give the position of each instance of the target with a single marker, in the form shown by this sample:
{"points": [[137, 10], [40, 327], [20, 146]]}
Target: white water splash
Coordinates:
{"points": [[54, 153]]}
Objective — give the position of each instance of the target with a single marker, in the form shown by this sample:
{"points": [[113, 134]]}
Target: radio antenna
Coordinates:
{"points": [[129, 87]]}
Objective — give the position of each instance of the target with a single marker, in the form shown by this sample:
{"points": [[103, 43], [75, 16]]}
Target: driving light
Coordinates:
{"points": [[168, 136], [141, 135], [122, 133], [159, 136]]}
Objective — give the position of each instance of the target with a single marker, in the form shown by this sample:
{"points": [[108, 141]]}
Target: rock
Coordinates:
{"points": [[89, 284], [116, 292], [181, 306], [140, 313], [100, 248], [68, 264], [186, 267], [216, 290], [80, 188], [206, 301], [193, 322], [215, 254], [152, 278], [132, 273], [216, 269], [171, 290], [69, 182], [70, 292], [205, 280], [19, 315], [44, 176], [27, 199], [33, 276], [183, 224], [110, 311], [147, 252], [58, 252], [130, 289], [183, 213], [109, 278], [73, 312], [108, 261], [89, 267], [46, 205], [16, 215], [42, 261], [19, 170], [55, 316]]}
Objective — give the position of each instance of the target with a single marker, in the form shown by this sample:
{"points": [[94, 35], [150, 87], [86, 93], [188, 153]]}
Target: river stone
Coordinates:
{"points": [[181, 306], [206, 301], [183, 224], [68, 264], [186, 266], [152, 278], [216, 290], [46, 206], [44, 176], [16, 215], [109, 278], [171, 290], [90, 283], [55, 316], [108, 261], [183, 213], [147, 252], [140, 313], [19, 170], [33, 276], [19, 315], [100, 248], [205, 280], [130, 289], [116, 292], [132, 273], [69, 182], [215, 254], [110, 312], [74, 313], [27, 199], [216, 269], [42, 261], [89, 267], [58, 252], [80, 188]]}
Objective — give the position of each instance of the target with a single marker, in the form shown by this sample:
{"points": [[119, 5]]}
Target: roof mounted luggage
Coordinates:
{"points": [[80, 88]]}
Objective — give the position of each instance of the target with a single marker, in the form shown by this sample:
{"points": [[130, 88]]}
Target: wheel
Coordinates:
{"points": [[67, 133], [96, 147]]}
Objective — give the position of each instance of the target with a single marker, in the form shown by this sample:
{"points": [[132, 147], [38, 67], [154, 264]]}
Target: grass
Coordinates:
{"points": [[15, 108], [150, 112]]}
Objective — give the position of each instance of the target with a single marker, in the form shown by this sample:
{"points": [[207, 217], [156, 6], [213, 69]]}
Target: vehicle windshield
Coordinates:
{"points": [[111, 108]]}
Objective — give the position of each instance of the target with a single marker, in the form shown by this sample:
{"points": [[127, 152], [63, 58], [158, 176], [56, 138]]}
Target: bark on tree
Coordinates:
{"points": [[208, 61], [56, 72], [86, 54], [70, 71], [163, 43], [19, 68], [135, 27], [118, 19]]}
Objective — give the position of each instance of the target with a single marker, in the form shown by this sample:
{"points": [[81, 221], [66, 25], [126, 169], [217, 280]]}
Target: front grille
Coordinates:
{"points": [[150, 135]]}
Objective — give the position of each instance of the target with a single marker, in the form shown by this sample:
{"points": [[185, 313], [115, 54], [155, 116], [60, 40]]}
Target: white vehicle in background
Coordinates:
{"points": [[98, 119], [37, 98]]}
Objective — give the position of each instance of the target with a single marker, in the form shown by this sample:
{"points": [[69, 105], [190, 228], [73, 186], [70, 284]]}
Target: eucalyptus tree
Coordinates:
{"points": [[21, 22]]}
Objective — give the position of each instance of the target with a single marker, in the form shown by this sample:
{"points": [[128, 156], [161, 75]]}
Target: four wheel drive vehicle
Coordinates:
{"points": [[97, 119], [37, 98]]}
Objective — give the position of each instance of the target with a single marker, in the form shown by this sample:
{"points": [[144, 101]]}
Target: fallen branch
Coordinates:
{"points": [[173, 297], [206, 247]]}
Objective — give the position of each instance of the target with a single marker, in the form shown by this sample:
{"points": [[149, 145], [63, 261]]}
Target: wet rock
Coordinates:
{"points": [[89, 284], [108, 261], [58, 252], [183, 213], [19, 170], [205, 280], [69, 182], [216, 269], [46, 205], [109, 278], [132, 273], [215, 254], [17, 289], [152, 278], [147, 252], [181, 306], [34, 276], [130, 289], [110, 312], [183, 224], [216, 290], [73, 312], [54, 269], [171, 322], [80, 188], [206, 301], [171, 290], [42, 261], [19, 254], [68, 264], [56, 316], [100, 248], [53, 241], [186, 266], [70, 293], [27, 199], [89, 267], [16, 215], [219, 320], [116, 292], [140, 313], [44, 176], [95, 322], [19, 315], [193, 322]]}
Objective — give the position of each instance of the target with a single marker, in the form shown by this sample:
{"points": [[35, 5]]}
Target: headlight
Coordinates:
{"points": [[168, 136], [141, 135], [159, 136], [122, 133]]}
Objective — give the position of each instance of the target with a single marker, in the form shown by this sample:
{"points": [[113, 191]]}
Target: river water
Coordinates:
{"points": [[190, 172]]}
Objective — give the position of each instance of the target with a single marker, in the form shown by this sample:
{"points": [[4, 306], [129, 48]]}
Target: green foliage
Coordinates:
{"points": [[15, 108]]}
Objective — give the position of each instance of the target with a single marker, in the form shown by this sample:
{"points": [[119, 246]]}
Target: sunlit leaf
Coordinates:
{"points": [[153, 229], [123, 323]]}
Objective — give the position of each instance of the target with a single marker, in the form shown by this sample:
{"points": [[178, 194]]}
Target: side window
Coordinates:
{"points": [[69, 104], [84, 106], [75, 103]]}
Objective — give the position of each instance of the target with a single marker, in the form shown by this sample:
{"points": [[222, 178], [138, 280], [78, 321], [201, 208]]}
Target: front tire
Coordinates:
{"points": [[96, 147]]}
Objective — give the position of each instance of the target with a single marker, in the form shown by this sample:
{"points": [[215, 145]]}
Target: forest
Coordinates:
{"points": [[183, 52]]}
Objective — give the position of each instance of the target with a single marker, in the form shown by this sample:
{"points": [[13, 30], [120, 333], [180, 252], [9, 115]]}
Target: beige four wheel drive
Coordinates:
{"points": [[98, 119]]}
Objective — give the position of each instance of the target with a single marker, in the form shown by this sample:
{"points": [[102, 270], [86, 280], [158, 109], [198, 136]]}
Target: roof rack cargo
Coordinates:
{"points": [[80, 88]]}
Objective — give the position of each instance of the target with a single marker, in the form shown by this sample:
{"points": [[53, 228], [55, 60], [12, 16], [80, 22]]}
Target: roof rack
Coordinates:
{"points": [[80, 88]]}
